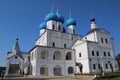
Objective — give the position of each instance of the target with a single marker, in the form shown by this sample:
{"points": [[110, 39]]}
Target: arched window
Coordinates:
{"points": [[44, 54], [57, 70], [70, 70], [53, 44], [73, 30], [64, 45], [57, 55], [69, 56], [59, 28], [102, 40], [44, 70], [79, 54], [53, 27]]}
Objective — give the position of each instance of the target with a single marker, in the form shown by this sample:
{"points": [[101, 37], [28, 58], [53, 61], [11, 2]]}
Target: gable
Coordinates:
{"points": [[15, 58]]}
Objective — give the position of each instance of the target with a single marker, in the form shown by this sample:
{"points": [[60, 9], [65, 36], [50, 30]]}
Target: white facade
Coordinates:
{"points": [[57, 52]]}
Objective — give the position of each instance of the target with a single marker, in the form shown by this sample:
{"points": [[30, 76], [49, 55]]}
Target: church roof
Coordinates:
{"points": [[43, 25], [51, 16], [16, 47], [70, 21], [97, 29], [59, 18]]}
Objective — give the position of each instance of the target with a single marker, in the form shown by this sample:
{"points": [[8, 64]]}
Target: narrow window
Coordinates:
{"points": [[64, 45], [92, 53], [106, 65], [54, 57], [59, 28], [98, 66], [53, 44], [94, 67], [79, 54], [97, 53], [106, 40], [73, 30], [104, 53], [53, 26], [72, 38], [108, 53], [102, 40]]}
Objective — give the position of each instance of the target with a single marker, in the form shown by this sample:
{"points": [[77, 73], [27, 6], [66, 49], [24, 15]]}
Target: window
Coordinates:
{"points": [[72, 38], [94, 67], [73, 30], [59, 28], [98, 66], [57, 55], [104, 53], [79, 54], [102, 40], [44, 54], [53, 27], [53, 44], [92, 53], [106, 65], [97, 53], [69, 56], [64, 45], [106, 40], [108, 53]]}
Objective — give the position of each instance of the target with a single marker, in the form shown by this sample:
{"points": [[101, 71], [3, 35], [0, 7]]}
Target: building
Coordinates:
{"points": [[61, 52]]}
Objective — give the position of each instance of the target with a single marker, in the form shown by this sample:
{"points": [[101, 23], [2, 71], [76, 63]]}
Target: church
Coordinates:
{"points": [[58, 51]]}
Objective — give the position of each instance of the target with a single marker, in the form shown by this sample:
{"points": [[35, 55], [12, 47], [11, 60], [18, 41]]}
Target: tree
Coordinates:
{"points": [[118, 60]]}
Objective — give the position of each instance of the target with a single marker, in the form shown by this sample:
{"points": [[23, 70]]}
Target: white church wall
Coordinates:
{"points": [[91, 37]]}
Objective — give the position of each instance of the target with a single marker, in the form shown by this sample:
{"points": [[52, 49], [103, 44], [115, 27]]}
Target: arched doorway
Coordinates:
{"points": [[70, 70], [69, 56], [80, 66], [44, 54], [57, 55], [44, 70], [57, 70]]}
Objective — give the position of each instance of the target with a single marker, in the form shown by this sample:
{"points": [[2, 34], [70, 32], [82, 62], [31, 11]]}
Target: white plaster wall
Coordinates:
{"points": [[50, 63], [71, 29], [91, 37], [60, 39], [104, 35], [61, 26], [81, 47], [50, 24]]}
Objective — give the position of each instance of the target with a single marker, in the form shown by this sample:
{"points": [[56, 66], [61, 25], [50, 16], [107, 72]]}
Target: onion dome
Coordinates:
{"points": [[59, 18], [51, 16], [70, 21], [92, 19], [42, 25]]}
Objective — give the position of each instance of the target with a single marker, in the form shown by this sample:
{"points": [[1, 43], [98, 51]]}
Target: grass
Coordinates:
{"points": [[110, 76]]}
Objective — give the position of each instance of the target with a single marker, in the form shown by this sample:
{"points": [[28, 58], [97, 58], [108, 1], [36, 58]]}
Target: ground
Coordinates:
{"points": [[52, 78]]}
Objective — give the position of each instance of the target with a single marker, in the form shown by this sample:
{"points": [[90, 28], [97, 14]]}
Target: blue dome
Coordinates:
{"points": [[51, 16], [70, 21], [59, 18], [42, 25]]}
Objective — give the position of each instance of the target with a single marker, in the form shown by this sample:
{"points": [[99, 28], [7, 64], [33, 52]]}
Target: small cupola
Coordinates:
{"points": [[59, 18], [71, 21], [93, 23], [51, 16], [42, 27], [71, 24]]}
